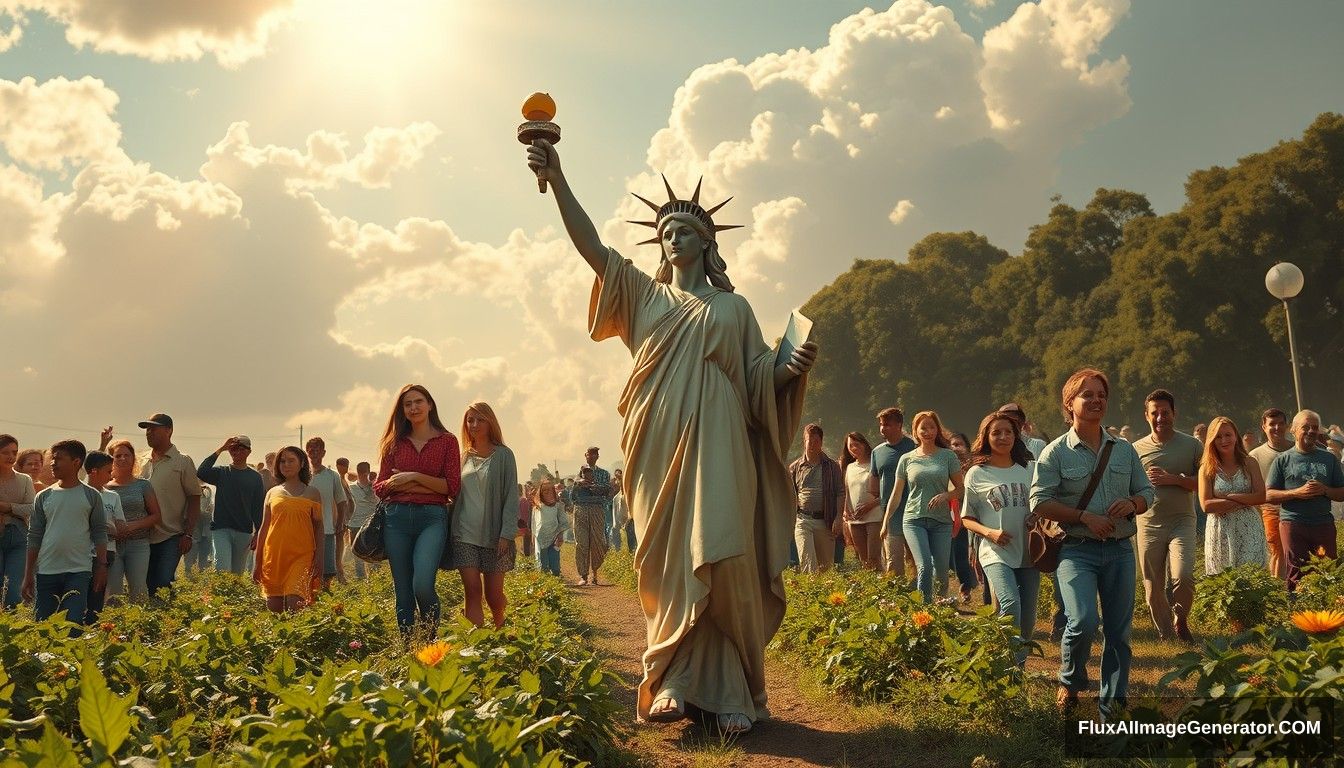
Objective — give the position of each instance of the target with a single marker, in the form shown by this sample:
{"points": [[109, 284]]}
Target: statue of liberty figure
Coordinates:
{"points": [[710, 413]]}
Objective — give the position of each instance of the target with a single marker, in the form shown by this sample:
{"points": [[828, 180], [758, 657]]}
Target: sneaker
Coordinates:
{"points": [[583, 582]]}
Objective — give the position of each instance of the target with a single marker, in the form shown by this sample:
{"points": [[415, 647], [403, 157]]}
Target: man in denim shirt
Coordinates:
{"points": [[1097, 559]]}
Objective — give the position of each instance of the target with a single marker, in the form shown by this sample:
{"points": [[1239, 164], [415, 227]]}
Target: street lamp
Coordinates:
{"points": [[1284, 281]]}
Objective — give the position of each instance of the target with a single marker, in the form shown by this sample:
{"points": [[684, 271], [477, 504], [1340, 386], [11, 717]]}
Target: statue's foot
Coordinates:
{"points": [[734, 722], [667, 708]]}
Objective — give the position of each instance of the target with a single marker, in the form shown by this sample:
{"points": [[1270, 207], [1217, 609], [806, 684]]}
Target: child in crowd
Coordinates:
{"points": [[549, 525], [98, 468], [68, 522]]}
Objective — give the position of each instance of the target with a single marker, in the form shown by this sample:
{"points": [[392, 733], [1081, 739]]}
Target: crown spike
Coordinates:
{"points": [[722, 227], [695, 196], [712, 211], [671, 196], [652, 224], [647, 202], [650, 241]]}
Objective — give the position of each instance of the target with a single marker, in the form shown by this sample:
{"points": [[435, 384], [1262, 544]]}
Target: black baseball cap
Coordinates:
{"points": [[157, 420]]}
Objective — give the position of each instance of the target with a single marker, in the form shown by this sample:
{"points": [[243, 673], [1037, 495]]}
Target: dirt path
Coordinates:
{"points": [[799, 734]]}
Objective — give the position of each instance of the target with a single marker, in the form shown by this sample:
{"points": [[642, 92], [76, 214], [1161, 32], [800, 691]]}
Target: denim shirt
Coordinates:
{"points": [[1065, 467]]}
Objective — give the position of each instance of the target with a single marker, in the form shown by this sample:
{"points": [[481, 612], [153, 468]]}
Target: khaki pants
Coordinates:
{"points": [[1166, 554], [590, 540], [895, 553], [1269, 515], [867, 544], [816, 545]]}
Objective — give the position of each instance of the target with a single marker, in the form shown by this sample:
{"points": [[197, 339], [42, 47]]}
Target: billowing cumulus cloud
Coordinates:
{"points": [[287, 310], [161, 30], [59, 123]]}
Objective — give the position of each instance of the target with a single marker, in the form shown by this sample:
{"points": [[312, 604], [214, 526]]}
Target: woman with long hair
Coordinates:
{"points": [[290, 542], [33, 463], [129, 571], [482, 546], [998, 485], [862, 513], [1230, 491], [16, 509], [927, 471], [419, 474]]}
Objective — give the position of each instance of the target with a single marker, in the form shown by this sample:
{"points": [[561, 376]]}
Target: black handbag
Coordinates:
{"points": [[369, 545]]}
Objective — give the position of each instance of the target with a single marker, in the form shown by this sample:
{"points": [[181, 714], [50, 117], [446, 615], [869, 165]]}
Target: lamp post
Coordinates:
{"points": [[1284, 281]]}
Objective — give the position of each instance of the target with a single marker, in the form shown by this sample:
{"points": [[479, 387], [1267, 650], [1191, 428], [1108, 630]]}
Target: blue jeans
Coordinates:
{"points": [[130, 569], [231, 548], [57, 591], [549, 560], [930, 543], [1016, 589], [961, 561], [202, 546], [13, 558], [1090, 570], [415, 535], [164, 558], [609, 520]]}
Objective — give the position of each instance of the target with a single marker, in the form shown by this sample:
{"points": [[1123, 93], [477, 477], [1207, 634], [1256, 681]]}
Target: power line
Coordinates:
{"points": [[98, 430]]}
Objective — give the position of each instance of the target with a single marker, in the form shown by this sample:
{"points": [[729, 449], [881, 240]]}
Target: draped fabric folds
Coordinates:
{"points": [[705, 440]]}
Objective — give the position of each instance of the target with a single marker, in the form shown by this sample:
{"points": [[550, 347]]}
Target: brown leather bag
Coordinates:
{"points": [[1046, 537]]}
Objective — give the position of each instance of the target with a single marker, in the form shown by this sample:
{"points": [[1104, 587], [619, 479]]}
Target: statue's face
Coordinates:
{"points": [[682, 245]]}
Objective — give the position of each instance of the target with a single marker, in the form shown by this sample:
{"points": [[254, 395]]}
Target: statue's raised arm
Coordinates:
{"points": [[545, 163]]}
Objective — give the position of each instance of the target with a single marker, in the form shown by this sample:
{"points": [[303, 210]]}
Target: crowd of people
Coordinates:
{"points": [[1129, 507], [84, 526], [81, 527]]}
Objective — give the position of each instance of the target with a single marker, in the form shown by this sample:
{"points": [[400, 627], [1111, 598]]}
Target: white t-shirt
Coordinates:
{"points": [[1034, 444], [856, 485], [112, 510], [1001, 499], [328, 484]]}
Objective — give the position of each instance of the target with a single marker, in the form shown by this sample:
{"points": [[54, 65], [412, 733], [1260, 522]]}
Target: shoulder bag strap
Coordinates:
{"points": [[1097, 473]]}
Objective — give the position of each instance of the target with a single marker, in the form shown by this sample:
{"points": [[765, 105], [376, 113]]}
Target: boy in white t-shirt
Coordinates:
{"points": [[98, 468]]}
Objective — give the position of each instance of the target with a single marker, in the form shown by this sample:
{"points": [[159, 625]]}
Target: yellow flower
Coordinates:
{"points": [[922, 619], [836, 598], [433, 653], [1317, 622]]}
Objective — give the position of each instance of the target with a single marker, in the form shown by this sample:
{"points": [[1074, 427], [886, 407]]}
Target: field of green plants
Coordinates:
{"points": [[214, 679]]}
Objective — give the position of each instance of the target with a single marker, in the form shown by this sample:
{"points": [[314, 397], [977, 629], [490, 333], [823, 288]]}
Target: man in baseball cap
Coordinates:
{"points": [[1033, 443], [173, 475], [239, 496]]}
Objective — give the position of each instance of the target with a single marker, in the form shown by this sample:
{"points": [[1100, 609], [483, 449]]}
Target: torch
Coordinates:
{"points": [[539, 111]]}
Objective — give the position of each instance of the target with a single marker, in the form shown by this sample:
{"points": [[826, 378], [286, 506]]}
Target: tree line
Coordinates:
{"points": [[1175, 301]]}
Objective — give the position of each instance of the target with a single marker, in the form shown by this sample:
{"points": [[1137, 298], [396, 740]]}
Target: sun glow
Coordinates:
{"points": [[387, 42]]}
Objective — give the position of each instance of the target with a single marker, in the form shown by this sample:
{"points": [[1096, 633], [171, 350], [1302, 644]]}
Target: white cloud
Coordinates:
{"points": [[901, 212], [164, 30], [325, 161], [981, 4], [60, 123]]}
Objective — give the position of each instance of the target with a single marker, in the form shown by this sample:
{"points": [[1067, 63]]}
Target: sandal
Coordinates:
{"points": [[671, 714], [732, 723]]}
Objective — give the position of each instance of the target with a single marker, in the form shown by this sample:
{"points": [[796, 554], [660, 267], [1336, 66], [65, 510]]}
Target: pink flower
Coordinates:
{"points": [[355, 645]]}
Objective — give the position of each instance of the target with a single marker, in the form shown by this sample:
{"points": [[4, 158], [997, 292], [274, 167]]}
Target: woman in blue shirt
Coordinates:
{"points": [[927, 521]]}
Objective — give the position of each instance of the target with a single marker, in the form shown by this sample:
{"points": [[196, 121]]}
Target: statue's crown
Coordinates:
{"points": [[690, 207]]}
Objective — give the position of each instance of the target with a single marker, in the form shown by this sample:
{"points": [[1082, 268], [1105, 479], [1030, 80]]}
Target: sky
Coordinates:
{"points": [[263, 215]]}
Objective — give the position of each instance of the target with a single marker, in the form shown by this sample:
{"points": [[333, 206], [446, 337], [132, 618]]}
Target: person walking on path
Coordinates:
{"points": [[1230, 490], [591, 497], [289, 543], [239, 498], [1167, 533], [862, 512], [484, 516], [1303, 480], [129, 571], [819, 489], [882, 481], [419, 474], [927, 472], [1094, 485], [549, 523], [1274, 423], [68, 524], [178, 490]]}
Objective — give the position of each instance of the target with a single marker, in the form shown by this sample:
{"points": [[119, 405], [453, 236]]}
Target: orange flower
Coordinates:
{"points": [[916, 674], [922, 619], [226, 614], [107, 626], [1320, 551], [338, 609], [1255, 681], [433, 653], [1317, 622], [836, 598]]}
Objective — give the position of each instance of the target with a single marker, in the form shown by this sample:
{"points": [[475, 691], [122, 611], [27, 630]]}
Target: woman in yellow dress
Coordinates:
{"points": [[288, 545]]}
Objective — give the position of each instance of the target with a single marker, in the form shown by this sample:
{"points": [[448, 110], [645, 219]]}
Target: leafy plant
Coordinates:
{"points": [[1240, 598]]}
